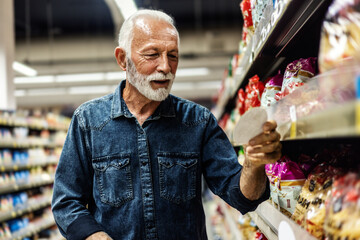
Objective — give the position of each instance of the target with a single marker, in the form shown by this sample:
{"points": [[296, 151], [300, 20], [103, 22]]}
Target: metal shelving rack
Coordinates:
{"points": [[286, 33], [38, 181]]}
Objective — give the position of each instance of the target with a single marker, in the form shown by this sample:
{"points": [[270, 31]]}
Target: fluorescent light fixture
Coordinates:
{"points": [[20, 93], [115, 75], [23, 69], [46, 91], [191, 72], [127, 7], [99, 89], [196, 86], [84, 77], [34, 80]]}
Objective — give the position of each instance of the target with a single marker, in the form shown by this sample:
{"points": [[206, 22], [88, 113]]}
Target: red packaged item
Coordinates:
{"points": [[260, 236], [254, 91], [245, 6], [241, 101]]}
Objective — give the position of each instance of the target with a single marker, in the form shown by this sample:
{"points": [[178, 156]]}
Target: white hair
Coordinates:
{"points": [[126, 32]]}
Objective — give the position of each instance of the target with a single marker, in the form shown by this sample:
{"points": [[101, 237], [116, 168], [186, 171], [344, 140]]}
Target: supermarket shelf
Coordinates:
{"points": [[317, 126], [268, 219], [275, 42], [24, 209], [33, 229], [231, 221], [17, 167], [17, 187], [11, 123], [26, 144]]}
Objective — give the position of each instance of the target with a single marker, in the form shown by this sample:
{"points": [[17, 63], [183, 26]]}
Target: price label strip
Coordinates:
{"points": [[293, 119], [357, 108]]}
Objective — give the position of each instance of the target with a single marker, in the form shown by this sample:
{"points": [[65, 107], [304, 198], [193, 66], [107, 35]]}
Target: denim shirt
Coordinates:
{"points": [[143, 181]]}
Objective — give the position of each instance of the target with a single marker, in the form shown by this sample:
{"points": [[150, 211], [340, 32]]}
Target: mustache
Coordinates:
{"points": [[160, 76]]}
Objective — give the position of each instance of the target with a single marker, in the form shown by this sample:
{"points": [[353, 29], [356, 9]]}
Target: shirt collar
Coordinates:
{"points": [[119, 108]]}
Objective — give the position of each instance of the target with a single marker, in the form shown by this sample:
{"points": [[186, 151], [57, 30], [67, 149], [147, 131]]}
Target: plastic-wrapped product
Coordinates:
{"points": [[286, 180], [254, 90], [257, 10], [241, 101], [272, 87], [298, 72], [340, 36], [248, 27], [343, 209], [245, 6], [310, 209]]}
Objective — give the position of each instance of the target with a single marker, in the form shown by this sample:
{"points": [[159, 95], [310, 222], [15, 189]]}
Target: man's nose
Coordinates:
{"points": [[163, 65]]}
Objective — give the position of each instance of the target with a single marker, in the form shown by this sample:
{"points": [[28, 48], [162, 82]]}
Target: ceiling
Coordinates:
{"points": [[58, 37]]}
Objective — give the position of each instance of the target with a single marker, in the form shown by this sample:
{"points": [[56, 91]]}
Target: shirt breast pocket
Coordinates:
{"points": [[177, 175], [113, 179]]}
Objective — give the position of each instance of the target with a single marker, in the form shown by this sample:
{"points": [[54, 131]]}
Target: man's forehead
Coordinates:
{"points": [[150, 25]]}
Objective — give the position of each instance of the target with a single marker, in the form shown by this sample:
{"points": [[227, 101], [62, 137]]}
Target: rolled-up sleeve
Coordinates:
{"points": [[222, 171], [73, 186]]}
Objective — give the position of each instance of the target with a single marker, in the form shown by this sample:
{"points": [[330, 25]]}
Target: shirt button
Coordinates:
{"points": [[143, 163], [147, 194]]}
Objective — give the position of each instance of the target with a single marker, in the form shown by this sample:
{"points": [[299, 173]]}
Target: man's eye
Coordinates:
{"points": [[152, 55], [172, 56]]}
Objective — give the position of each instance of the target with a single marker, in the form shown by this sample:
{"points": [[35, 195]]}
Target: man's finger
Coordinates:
{"points": [[264, 158], [268, 148], [264, 138], [269, 126]]}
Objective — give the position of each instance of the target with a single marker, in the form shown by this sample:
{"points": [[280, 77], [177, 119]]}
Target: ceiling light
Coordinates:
{"points": [[20, 93], [127, 7], [33, 80], [115, 75], [23, 69], [100, 89], [196, 86], [84, 77], [187, 72], [46, 91]]}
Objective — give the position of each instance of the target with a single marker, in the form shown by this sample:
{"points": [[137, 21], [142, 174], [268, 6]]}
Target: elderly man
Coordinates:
{"points": [[132, 162]]}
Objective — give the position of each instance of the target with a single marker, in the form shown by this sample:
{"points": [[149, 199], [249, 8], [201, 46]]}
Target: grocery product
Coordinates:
{"points": [[254, 91], [296, 74], [248, 27], [272, 87], [343, 208], [257, 10], [310, 209], [286, 180], [340, 35]]}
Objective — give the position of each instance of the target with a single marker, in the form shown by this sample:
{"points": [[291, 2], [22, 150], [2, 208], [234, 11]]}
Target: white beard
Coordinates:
{"points": [[142, 82]]}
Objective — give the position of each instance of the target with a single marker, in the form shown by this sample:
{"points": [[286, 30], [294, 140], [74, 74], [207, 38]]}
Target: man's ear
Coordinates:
{"points": [[120, 56]]}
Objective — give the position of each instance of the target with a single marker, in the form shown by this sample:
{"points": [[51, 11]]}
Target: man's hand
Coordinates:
{"points": [[99, 236], [262, 149]]}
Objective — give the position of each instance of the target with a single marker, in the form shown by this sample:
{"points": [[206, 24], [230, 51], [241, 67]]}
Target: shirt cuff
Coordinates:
{"points": [[83, 227], [244, 205]]}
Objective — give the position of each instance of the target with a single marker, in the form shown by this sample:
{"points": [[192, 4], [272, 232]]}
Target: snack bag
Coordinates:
{"points": [[245, 6], [297, 73], [340, 35], [343, 209], [286, 180], [254, 91], [272, 87], [241, 101], [308, 193]]}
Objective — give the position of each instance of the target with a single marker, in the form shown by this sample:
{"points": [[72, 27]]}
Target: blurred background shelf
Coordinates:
{"points": [[268, 218]]}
